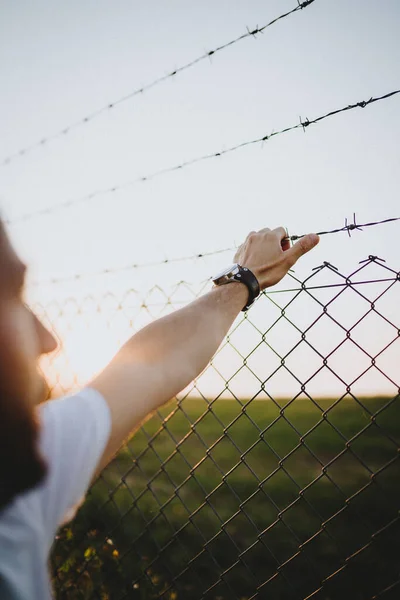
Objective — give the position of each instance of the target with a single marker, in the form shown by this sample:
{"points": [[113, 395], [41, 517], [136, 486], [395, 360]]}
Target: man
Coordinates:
{"points": [[50, 453]]}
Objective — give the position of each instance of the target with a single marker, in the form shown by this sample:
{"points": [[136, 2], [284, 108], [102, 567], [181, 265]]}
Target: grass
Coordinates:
{"points": [[243, 488]]}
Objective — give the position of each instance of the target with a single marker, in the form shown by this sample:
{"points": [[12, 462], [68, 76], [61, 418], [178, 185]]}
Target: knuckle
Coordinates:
{"points": [[264, 231]]}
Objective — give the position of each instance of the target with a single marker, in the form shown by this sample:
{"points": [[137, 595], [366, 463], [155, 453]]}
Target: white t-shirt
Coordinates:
{"points": [[74, 433]]}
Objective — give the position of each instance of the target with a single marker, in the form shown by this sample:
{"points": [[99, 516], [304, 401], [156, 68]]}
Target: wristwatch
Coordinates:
{"points": [[242, 274]]}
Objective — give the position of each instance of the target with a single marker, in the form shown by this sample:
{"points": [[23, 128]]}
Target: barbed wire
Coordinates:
{"points": [[141, 90], [349, 227], [116, 188]]}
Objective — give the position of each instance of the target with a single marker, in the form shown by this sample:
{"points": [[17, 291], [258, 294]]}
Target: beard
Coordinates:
{"points": [[22, 466]]}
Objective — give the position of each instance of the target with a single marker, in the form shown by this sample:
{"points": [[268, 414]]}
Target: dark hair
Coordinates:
{"points": [[21, 465]]}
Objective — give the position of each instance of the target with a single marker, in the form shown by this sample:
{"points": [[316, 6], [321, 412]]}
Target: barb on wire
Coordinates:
{"points": [[141, 90], [80, 276], [144, 178], [347, 227]]}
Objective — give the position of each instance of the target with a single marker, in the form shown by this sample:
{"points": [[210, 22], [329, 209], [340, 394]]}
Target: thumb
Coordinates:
{"points": [[304, 245]]}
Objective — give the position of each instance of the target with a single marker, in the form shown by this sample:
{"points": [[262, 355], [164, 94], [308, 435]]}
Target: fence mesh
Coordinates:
{"points": [[274, 475]]}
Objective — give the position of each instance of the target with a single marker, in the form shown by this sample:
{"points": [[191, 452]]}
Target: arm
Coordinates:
{"points": [[164, 357]]}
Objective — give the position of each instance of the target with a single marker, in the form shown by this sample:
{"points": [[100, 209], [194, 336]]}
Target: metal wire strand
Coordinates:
{"points": [[349, 227]]}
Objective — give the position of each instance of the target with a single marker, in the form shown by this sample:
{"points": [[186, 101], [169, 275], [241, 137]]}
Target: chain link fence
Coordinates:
{"points": [[274, 475]]}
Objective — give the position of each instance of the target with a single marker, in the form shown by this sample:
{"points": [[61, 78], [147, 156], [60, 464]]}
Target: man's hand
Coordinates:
{"points": [[269, 256]]}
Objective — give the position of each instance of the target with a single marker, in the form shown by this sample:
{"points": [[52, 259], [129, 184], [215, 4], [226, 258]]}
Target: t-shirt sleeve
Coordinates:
{"points": [[74, 432]]}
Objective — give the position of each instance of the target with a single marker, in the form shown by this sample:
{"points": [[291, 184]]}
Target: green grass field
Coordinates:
{"points": [[283, 495]]}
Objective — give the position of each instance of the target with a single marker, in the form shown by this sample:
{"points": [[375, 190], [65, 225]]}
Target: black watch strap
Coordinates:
{"points": [[250, 280]]}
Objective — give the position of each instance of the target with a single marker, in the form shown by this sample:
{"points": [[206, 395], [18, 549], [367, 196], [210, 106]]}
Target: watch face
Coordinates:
{"points": [[228, 271]]}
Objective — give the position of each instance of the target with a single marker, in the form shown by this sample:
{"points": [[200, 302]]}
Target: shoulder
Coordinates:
{"points": [[69, 415], [74, 432]]}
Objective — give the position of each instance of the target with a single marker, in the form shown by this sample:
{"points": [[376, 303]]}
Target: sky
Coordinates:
{"points": [[62, 61]]}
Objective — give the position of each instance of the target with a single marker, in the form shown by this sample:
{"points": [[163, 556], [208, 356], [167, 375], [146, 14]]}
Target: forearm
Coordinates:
{"points": [[163, 358], [181, 344]]}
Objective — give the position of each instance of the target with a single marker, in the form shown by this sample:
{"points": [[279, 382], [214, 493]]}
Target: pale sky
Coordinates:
{"points": [[62, 61]]}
